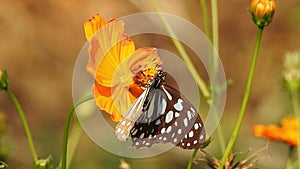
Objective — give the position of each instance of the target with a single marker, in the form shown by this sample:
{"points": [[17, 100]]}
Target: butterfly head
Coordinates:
{"points": [[157, 80]]}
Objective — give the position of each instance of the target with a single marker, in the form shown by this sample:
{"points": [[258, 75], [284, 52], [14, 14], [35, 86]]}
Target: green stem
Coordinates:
{"points": [[289, 164], [183, 53], [203, 7], [296, 107], [191, 160], [245, 100], [215, 25], [74, 137], [215, 41], [66, 130], [25, 124]]}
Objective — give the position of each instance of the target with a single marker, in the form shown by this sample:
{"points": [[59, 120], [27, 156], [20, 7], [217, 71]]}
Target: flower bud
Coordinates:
{"points": [[3, 80], [262, 12]]}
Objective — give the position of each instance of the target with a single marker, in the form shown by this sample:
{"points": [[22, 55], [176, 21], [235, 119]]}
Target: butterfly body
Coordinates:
{"points": [[161, 114]]}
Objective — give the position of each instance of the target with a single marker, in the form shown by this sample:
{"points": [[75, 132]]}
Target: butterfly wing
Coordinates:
{"points": [[146, 127], [170, 117], [122, 130]]}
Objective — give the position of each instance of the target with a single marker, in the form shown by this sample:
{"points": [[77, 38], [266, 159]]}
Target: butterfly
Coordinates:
{"points": [[161, 114]]}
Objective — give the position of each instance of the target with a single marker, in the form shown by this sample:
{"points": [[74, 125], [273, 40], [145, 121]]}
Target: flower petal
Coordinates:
{"points": [[109, 46], [92, 25], [104, 100], [115, 101], [141, 60]]}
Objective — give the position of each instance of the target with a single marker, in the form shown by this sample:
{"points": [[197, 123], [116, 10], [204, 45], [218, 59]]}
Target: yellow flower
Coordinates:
{"points": [[287, 132], [262, 11], [290, 126], [120, 71]]}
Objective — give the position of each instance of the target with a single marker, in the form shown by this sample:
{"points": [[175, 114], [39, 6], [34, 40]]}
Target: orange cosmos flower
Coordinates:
{"points": [[120, 71], [288, 132], [262, 11]]}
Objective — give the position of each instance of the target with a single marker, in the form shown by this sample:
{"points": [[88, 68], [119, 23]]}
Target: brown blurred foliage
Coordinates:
{"points": [[40, 41]]}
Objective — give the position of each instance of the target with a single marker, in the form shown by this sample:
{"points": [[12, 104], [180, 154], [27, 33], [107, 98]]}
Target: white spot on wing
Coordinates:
{"points": [[189, 115], [191, 134], [193, 110], [168, 129], [134, 132], [200, 124], [157, 122], [169, 116], [178, 106], [179, 131], [163, 130], [168, 94], [177, 114], [185, 122]]}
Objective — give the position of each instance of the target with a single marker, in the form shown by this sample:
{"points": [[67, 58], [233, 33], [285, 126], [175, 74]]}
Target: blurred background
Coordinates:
{"points": [[40, 42]]}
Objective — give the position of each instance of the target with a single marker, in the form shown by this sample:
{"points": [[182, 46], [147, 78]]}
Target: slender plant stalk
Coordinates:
{"points": [[215, 24], [66, 130], [296, 106], [191, 160], [289, 164], [203, 7], [245, 100], [215, 41], [25, 124], [74, 137], [183, 53]]}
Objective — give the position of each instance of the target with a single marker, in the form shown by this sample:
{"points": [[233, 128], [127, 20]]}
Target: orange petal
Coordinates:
{"points": [[115, 101], [290, 135], [123, 99], [259, 130], [144, 58], [135, 90], [104, 101], [92, 25], [270, 132], [109, 46], [273, 132], [141, 60], [111, 61]]}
